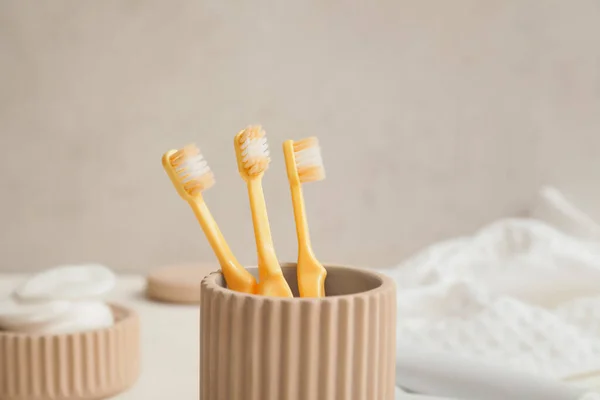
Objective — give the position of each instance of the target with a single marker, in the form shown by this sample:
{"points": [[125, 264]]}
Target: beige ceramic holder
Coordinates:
{"points": [[88, 365], [341, 347]]}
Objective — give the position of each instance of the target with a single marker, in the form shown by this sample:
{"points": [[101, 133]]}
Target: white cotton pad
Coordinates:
{"points": [[56, 317], [70, 282], [15, 316], [83, 316]]}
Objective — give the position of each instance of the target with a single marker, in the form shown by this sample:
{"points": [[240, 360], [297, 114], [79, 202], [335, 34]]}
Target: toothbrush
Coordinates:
{"points": [[304, 164], [191, 175], [252, 155]]}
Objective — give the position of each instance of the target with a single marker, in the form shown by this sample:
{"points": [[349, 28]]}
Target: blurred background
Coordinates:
{"points": [[434, 117]]}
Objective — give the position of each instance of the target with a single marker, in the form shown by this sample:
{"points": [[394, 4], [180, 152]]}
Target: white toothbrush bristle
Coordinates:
{"points": [[254, 150], [309, 161], [192, 170]]}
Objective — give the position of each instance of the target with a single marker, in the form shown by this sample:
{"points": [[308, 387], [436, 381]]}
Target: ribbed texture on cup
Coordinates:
{"points": [[82, 366], [263, 348]]}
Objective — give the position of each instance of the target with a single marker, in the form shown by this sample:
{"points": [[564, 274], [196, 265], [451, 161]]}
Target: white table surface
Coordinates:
{"points": [[170, 363]]}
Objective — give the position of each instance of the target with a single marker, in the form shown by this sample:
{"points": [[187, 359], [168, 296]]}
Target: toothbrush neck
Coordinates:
{"points": [[260, 220], [302, 231], [213, 233]]}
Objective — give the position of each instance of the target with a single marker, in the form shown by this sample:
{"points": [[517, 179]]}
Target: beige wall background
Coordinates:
{"points": [[435, 117]]}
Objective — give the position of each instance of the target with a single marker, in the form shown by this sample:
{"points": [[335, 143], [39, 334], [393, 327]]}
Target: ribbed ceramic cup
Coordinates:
{"points": [[90, 365], [341, 347]]}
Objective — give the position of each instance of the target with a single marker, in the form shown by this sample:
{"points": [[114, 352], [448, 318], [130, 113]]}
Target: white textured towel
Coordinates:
{"points": [[520, 293]]}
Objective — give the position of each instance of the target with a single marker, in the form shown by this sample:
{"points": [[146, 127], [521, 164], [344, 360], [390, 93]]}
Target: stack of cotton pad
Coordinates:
{"points": [[60, 300]]}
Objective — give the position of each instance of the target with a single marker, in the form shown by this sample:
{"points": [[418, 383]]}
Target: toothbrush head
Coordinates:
{"points": [[252, 152], [188, 171], [304, 160]]}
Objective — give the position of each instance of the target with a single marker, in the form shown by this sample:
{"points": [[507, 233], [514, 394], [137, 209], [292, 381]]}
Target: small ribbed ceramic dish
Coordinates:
{"points": [[90, 365]]}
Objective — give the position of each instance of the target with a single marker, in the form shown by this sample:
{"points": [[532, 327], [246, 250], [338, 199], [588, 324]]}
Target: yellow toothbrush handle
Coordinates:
{"points": [[311, 274], [236, 276], [268, 265], [304, 248]]}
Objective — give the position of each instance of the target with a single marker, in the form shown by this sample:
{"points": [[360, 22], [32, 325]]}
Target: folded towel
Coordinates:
{"points": [[520, 293]]}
